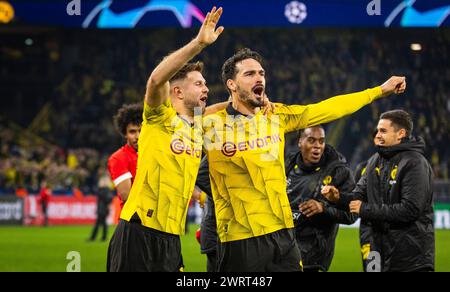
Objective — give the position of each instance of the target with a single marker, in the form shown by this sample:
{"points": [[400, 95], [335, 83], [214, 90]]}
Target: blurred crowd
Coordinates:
{"points": [[65, 87], [24, 167]]}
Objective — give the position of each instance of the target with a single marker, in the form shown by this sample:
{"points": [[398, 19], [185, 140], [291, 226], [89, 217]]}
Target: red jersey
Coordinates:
{"points": [[122, 166], [45, 194]]}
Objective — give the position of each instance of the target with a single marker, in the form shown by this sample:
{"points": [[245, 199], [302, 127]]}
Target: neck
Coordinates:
{"points": [[243, 107], [182, 110], [307, 163], [131, 145]]}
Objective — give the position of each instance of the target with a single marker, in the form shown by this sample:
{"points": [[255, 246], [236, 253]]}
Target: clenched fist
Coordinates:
{"points": [[330, 193], [395, 84]]}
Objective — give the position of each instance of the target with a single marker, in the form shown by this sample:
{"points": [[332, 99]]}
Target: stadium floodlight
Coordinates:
{"points": [[416, 47], [29, 41]]}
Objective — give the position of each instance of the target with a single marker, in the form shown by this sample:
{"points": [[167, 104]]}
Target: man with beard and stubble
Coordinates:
{"points": [[170, 147], [245, 151]]}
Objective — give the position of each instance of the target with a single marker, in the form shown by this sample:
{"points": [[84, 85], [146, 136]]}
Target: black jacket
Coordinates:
{"points": [[316, 235], [397, 196], [104, 198], [364, 229], [208, 227]]}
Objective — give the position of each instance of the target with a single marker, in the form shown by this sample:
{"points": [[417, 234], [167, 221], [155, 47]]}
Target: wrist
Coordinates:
{"points": [[322, 207], [384, 90], [198, 44]]}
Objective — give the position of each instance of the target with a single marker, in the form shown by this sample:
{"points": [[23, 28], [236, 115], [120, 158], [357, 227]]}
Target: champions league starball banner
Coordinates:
{"points": [[128, 14]]}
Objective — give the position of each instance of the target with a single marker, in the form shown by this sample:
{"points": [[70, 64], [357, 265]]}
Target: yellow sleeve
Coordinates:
{"points": [[293, 117], [160, 114], [298, 117], [339, 106]]}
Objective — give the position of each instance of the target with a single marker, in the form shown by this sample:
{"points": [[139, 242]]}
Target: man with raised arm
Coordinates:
{"points": [[170, 147]]}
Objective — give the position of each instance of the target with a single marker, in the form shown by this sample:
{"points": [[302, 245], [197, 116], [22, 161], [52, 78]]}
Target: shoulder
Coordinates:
{"points": [[290, 161], [165, 104], [210, 121], [413, 159], [343, 174], [372, 160], [159, 113], [281, 108], [292, 156], [342, 168], [222, 113], [120, 154]]}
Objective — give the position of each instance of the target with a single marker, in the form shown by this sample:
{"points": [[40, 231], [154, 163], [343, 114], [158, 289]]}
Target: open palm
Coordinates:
{"points": [[208, 33]]}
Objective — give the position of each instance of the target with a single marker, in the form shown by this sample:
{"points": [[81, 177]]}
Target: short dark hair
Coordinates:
{"points": [[189, 67], [302, 131], [229, 69], [128, 114], [400, 120]]}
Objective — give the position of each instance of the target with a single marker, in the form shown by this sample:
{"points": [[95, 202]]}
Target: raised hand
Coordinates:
{"points": [[395, 84], [268, 106], [208, 32]]}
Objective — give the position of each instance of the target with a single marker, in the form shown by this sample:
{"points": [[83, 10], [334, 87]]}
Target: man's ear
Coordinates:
{"points": [[401, 134], [177, 92], [231, 85]]}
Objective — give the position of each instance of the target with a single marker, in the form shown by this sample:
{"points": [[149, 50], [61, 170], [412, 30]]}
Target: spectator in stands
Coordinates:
{"points": [[86, 77]]}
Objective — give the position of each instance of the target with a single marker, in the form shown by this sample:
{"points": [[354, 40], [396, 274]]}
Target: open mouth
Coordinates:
{"points": [[258, 90], [204, 99], [315, 155]]}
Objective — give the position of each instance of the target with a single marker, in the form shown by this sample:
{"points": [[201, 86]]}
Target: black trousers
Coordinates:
{"points": [[100, 223], [136, 248], [211, 264], [273, 252]]}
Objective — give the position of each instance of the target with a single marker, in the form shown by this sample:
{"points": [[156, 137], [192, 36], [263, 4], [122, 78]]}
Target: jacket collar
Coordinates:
{"points": [[416, 144]]}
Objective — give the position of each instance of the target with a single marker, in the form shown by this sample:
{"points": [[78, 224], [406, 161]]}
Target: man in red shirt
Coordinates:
{"points": [[122, 163], [44, 195]]}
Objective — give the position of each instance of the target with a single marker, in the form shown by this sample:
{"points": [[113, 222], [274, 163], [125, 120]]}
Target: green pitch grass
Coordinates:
{"points": [[46, 249]]}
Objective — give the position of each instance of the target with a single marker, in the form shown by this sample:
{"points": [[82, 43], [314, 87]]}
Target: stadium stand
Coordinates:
{"points": [[60, 93]]}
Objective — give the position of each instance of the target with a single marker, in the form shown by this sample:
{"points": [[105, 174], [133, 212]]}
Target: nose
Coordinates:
{"points": [[259, 79], [205, 89], [378, 135]]}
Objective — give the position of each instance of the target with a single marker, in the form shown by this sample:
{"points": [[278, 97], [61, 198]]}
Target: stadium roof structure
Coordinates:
{"points": [[107, 14]]}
